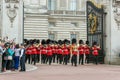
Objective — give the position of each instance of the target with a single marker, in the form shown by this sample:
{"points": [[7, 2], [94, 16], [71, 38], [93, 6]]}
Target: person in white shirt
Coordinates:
{"points": [[16, 57]]}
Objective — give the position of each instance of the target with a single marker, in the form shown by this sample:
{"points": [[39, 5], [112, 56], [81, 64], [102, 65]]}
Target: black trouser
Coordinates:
{"points": [[54, 57], [60, 58], [9, 64], [22, 64], [65, 59], [43, 58], [58, 55], [81, 57], [50, 59], [96, 60], [87, 59], [68, 58], [38, 58], [27, 58], [33, 59], [74, 60]]}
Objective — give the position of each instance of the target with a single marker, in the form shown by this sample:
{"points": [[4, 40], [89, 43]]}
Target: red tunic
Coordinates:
{"points": [[30, 50], [74, 52], [81, 50], [43, 50], [60, 51], [53, 50], [87, 50], [34, 50], [49, 51], [95, 51], [65, 51], [38, 50], [56, 49]]}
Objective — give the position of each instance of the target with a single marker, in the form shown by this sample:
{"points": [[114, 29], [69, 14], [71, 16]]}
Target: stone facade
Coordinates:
{"points": [[57, 22]]}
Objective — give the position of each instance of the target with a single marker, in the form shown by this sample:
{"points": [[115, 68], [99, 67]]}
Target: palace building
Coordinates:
{"points": [[93, 20]]}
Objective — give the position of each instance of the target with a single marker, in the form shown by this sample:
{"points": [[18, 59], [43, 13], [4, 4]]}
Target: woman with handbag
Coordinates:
{"points": [[10, 57], [5, 57]]}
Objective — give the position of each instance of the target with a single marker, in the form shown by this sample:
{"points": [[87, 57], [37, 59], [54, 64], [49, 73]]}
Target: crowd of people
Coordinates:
{"points": [[61, 52], [14, 56]]}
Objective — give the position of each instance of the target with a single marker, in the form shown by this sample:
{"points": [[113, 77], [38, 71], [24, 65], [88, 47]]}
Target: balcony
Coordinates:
{"points": [[66, 12]]}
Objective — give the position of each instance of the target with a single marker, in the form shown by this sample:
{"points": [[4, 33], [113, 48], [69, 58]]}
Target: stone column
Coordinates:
{"points": [[112, 32], [12, 20]]}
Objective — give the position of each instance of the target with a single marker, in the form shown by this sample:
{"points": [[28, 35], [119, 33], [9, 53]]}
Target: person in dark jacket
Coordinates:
{"points": [[22, 58]]}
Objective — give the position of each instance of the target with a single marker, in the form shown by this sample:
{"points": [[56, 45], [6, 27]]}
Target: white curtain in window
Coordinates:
{"points": [[73, 36], [51, 4], [51, 36], [73, 4], [34, 2]]}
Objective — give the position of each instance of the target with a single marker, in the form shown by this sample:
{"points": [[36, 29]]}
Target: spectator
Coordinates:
{"points": [[22, 58]]}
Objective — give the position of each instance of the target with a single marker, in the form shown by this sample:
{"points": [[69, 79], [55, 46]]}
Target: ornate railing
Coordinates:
{"points": [[43, 9]]}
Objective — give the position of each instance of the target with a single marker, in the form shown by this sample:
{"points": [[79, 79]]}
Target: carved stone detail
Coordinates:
{"points": [[116, 10], [11, 10]]}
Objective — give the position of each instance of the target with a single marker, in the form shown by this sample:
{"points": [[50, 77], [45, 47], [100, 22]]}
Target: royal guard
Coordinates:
{"points": [[49, 51], [95, 53], [53, 51], [38, 50], [65, 52], [56, 51], [74, 52], [43, 51], [68, 47], [81, 51], [60, 52], [87, 52], [34, 54], [28, 53]]}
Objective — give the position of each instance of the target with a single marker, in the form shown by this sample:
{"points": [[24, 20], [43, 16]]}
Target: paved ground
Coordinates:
{"points": [[62, 72]]}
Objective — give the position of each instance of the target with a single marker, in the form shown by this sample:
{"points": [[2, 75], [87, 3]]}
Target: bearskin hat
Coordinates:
{"points": [[25, 40], [87, 42], [43, 42], [37, 41], [94, 43], [48, 41], [81, 42], [66, 41], [56, 42], [31, 41], [60, 42], [74, 41]]}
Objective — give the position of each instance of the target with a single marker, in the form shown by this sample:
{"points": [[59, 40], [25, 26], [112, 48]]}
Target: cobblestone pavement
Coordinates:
{"points": [[62, 72]]}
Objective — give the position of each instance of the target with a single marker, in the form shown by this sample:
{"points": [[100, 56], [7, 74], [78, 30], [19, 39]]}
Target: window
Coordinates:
{"points": [[74, 24], [63, 4], [73, 4], [51, 24], [34, 2], [51, 36], [73, 36], [27, 2], [51, 4]]}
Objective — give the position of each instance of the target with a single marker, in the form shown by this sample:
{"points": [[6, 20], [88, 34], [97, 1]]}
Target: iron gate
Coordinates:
{"points": [[95, 28]]}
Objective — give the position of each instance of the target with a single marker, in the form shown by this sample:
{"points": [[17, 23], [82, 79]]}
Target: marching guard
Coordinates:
{"points": [[74, 52]]}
